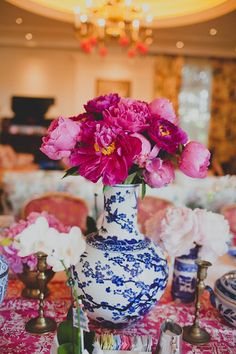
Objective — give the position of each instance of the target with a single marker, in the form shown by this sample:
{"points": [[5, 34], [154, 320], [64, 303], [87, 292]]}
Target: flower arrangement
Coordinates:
{"points": [[179, 229], [9, 251], [63, 250], [122, 140]]}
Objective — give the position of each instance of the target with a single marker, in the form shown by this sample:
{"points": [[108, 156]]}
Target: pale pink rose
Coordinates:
{"points": [[195, 160], [158, 173], [175, 230], [61, 138], [163, 108], [147, 152], [213, 233]]}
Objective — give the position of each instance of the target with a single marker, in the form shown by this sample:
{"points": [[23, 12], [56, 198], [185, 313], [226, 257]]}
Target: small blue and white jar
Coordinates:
{"points": [[122, 274], [185, 277], [3, 277]]}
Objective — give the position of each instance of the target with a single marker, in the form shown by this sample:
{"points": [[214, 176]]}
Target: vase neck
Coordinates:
{"points": [[120, 212]]}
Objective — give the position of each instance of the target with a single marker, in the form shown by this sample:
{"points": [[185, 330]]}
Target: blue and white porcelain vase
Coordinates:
{"points": [[122, 274], [3, 277], [185, 276]]}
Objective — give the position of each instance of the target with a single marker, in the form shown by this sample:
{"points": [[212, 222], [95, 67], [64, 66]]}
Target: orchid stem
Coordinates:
{"points": [[75, 298]]}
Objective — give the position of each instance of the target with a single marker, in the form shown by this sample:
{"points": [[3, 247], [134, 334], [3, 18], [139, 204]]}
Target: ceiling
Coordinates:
{"points": [[167, 13], [51, 33]]}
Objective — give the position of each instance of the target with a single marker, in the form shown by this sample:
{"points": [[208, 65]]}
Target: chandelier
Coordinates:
{"points": [[98, 26]]}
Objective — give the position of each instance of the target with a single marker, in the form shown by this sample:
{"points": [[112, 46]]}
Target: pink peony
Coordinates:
{"points": [[158, 173], [117, 136], [175, 228], [163, 108], [212, 234], [147, 152], [100, 103], [130, 115], [61, 138], [166, 135], [108, 153], [195, 160]]}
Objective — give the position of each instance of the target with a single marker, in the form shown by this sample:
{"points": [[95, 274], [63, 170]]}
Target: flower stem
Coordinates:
{"points": [[75, 298]]}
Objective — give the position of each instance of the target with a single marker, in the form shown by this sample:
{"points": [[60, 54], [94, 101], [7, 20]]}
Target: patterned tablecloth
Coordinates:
{"points": [[16, 311]]}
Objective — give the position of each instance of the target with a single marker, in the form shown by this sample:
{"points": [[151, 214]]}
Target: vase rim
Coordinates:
{"points": [[125, 185]]}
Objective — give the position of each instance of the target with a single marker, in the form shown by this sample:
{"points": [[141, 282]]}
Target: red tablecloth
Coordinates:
{"points": [[16, 311]]}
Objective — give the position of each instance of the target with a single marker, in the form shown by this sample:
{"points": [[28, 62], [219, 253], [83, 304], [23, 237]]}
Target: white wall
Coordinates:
{"points": [[68, 76]]}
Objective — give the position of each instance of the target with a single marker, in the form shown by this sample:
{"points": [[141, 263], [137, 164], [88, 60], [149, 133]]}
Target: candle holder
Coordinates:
{"points": [[194, 334], [41, 324]]}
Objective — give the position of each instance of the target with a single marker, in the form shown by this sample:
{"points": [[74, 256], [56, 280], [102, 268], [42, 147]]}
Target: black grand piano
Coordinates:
{"points": [[25, 129]]}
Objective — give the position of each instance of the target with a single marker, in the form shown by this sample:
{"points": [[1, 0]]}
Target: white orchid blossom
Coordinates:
{"points": [[63, 250], [67, 249], [33, 238]]}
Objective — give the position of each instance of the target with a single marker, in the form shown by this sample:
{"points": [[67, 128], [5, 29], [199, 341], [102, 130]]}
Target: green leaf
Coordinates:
{"points": [[130, 178], [180, 148], [72, 171], [5, 242], [90, 225], [105, 188], [65, 332], [89, 339], [69, 315], [67, 348], [143, 189]]}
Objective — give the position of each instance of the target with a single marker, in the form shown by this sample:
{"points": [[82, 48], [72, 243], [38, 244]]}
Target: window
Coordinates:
{"points": [[195, 99]]}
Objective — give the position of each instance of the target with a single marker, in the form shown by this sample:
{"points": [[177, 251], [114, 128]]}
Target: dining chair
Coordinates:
{"points": [[148, 206], [70, 210], [229, 212]]}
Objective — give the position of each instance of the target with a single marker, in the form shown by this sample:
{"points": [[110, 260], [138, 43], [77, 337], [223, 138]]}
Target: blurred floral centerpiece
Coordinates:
{"points": [[26, 267], [188, 234], [125, 143]]}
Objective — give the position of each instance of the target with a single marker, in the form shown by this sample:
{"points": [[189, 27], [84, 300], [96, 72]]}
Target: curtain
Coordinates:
{"points": [[222, 134], [167, 77]]}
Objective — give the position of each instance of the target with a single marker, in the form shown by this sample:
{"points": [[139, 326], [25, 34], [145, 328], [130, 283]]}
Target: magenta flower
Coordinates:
{"points": [[116, 136], [195, 160], [158, 173], [147, 152], [100, 103], [83, 117], [166, 135], [109, 154], [130, 115], [62, 135], [163, 108]]}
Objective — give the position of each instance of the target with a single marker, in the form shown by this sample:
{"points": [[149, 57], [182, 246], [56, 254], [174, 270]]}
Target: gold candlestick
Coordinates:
{"points": [[194, 334], [41, 324]]}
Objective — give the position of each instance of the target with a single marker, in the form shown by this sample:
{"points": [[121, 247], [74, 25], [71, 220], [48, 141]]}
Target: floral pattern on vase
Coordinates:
{"points": [[185, 276], [3, 277], [122, 274]]}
